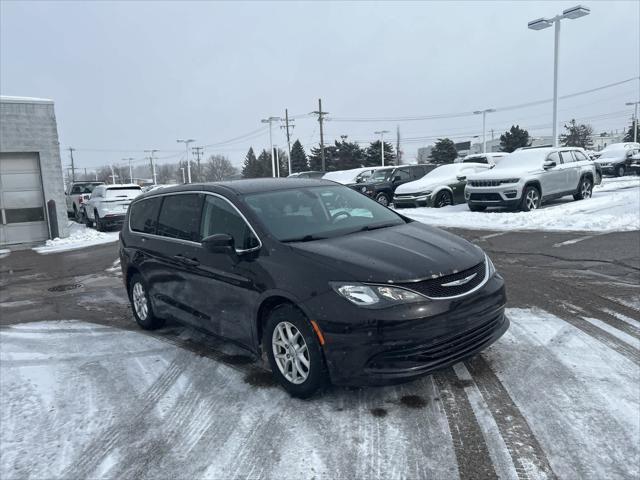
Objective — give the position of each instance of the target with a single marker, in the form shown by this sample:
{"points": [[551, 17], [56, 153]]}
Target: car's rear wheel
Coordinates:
{"points": [[477, 208], [87, 221], [294, 352], [98, 222], [530, 198], [382, 199], [443, 199], [620, 171], [585, 189], [141, 305]]}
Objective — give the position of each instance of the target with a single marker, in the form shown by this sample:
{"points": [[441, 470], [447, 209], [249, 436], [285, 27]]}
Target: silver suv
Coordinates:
{"points": [[530, 176]]}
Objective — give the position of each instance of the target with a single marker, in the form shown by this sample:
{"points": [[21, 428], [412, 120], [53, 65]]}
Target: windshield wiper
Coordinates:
{"points": [[306, 238], [376, 226]]}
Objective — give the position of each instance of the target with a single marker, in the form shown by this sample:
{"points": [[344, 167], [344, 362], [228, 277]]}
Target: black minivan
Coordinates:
{"points": [[329, 283]]}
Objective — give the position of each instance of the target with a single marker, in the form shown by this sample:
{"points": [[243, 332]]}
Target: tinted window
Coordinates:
{"points": [[554, 157], [218, 216], [418, 172], [566, 157], [475, 160], [144, 215], [403, 174], [581, 157], [180, 217]]}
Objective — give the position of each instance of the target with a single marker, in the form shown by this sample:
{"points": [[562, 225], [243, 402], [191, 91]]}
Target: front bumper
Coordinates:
{"points": [[397, 344], [412, 201], [507, 195]]}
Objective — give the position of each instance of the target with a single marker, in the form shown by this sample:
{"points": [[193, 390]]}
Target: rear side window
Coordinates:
{"points": [[403, 174], [143, 217], [566, 157], [581, 157], [180, 217], [218, 216], [418, 172]]}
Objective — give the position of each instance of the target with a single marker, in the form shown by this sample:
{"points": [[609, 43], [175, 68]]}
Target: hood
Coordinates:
{"points": [[499, 173], [412, 251], [421, 186]]}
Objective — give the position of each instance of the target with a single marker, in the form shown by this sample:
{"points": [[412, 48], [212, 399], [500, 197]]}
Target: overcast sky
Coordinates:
{"points": [[129, 76]]}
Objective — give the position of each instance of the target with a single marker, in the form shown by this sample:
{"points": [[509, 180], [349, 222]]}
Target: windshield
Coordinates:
{"points": [[314, 213], [531, 159], [123, 192], [450, 170], [381, 175]]}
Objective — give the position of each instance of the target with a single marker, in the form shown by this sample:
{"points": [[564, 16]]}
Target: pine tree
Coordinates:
{"points": [[250, 167], [444, 151], [348, 155], [299, 162], [629, 135], [578, 135], [315, 158], [514, 138], [372, 157], [264, 167]]}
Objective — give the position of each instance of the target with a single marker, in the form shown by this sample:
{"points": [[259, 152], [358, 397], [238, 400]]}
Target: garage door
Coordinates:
{"points": [[22, 215]]}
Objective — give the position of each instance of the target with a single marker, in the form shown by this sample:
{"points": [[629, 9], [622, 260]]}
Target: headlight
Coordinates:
{"points": [[377, 296], [510, 180], [491, 269], [426, 192]]}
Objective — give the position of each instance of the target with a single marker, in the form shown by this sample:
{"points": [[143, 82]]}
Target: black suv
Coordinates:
{"points": [[383, 183], [328, 283]]}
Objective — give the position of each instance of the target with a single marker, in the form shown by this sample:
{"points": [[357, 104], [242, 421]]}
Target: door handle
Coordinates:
{"points": [[192, 262]]}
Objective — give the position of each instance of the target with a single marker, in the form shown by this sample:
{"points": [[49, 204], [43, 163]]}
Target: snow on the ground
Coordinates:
{"points": [[80, 236], [4, 252], [615, 206], [82, 400]]}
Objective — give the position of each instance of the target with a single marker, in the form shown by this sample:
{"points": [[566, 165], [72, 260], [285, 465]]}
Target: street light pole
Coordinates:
{"points": [[186, 149], [484, 126], [270, 121], [130, 169], [153, 165], [542, 23], [381, 133], [635, 120]]}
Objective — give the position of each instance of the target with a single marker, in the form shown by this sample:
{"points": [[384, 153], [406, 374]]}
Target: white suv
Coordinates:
{"points": [[530, 176], [108, 204]]}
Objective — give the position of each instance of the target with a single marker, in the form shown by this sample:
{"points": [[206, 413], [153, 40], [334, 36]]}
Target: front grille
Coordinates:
{"points": [[484, 183], [441, 350], [433, 287], [490, 197]]}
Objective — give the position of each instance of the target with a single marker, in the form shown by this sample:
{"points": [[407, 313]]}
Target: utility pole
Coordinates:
{"points": [[186, 149], [153, 165], [635, 120], [130, 168], [113, 175], [398, 154], [270, 121], [286, 125], [381, 133], [198, 151], [73, 169], [275, 155], [321, 115], [484, 126]]}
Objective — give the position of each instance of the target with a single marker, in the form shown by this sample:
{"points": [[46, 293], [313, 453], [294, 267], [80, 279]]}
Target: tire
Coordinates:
{"points": [[477, 208], [382, 199], [585, 189], [141, 305], [598, 178], [87, 221], [620, 171], [77, 215], [98, 222], [530, 198], [443, 199], [286, 322]]}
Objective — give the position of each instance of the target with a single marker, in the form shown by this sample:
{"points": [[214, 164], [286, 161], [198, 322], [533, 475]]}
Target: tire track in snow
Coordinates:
{"points": [[526, 453], [472, 453], [93, 455]]}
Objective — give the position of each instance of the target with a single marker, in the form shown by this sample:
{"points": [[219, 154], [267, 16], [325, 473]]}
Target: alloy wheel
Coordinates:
{"points": [[291, 353], [140, 301], [586, 190], [444, 200], [532, 199], [382, 200]]}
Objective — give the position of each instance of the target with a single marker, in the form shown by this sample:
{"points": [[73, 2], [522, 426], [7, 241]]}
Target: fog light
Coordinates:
{"points": [[511, 193]]}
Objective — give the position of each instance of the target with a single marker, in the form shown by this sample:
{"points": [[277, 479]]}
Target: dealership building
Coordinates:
{"points": [[32, 202]]}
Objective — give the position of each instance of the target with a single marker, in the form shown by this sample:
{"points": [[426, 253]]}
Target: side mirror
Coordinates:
{"points": [[548, 164], [461, 178], [219, 243], [359, 180]]}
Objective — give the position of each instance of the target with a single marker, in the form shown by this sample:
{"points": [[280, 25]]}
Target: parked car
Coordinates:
{"points": [[635, 163], [615, 159], [440, 187], [351, 176], [108, 205], [383, 183], [329, 284], [490, 158], [76, 194], [530, 176], [308, 174]]}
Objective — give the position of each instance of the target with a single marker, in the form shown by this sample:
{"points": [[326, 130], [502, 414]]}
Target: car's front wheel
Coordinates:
{"points": [[98, 222], [140, 304], [443, 199], [530, 198], [585, 189], [294, 352], [382, 199], [620, 171]]}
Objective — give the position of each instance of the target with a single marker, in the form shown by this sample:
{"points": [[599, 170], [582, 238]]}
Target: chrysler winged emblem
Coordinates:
{"points": [[462, 281]]}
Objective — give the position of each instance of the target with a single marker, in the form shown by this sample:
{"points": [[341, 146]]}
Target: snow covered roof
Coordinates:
{"points": [[9, 99]]}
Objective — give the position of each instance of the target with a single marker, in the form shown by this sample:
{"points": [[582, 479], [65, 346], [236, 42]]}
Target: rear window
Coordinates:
{"points": [[80, 188], [123, 192], [180, 217], [144, 215]]}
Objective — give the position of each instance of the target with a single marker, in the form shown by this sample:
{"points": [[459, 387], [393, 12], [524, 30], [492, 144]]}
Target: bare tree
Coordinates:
{"points": [[218, 168]]}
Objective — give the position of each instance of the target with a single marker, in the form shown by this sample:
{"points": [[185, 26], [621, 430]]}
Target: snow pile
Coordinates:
{"points": [[79, 237], [614, 207], [4, 252]]}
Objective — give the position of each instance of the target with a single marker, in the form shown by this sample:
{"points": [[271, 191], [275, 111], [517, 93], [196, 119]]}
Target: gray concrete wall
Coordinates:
{"points": [[30, 126]]}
